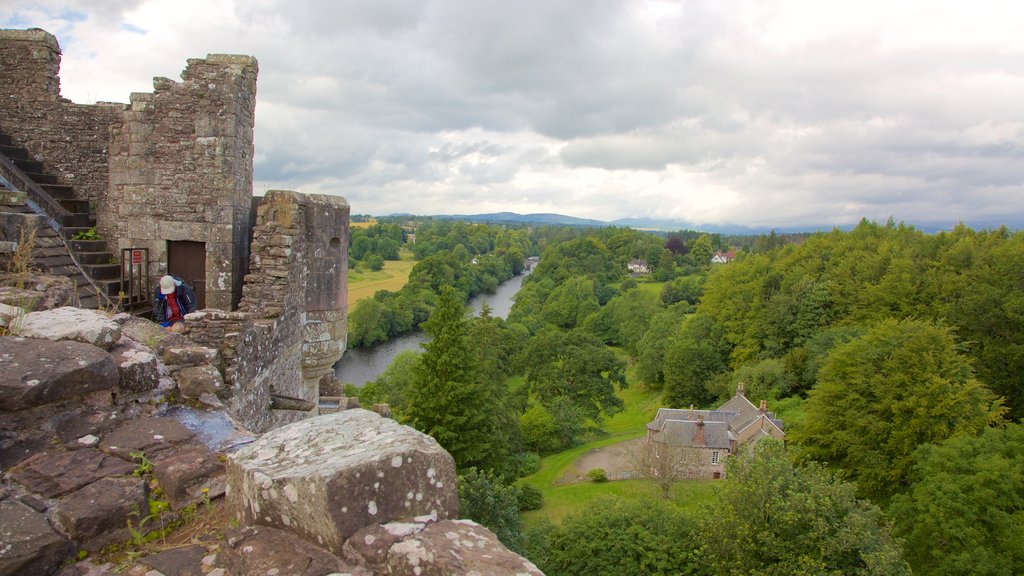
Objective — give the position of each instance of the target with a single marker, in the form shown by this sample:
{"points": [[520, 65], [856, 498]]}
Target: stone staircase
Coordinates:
{"points": [[94, 269]]}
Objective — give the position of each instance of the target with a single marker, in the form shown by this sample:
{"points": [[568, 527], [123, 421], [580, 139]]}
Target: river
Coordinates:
{"points": [[361, 365]]}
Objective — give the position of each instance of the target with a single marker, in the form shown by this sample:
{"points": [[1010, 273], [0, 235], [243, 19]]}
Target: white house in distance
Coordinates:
{"points": [[723, 257], [714, 434], [636, 266]]}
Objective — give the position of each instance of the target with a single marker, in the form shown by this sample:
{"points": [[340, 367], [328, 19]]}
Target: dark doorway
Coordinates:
{"points": [[187, 260]]}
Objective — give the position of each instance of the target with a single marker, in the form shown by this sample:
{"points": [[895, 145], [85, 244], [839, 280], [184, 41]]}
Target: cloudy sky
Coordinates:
{"points": [[761, 113]]}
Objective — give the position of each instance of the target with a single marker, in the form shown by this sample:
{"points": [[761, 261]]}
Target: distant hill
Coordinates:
{"points": [[512, 217], [670, 225]]}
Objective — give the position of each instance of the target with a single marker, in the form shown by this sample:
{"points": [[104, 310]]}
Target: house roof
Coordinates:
{"points": [[738, 418], [696, 434]]}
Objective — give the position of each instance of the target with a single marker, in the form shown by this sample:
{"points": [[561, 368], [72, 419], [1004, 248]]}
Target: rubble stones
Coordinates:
{"points": [[69, 323], [30, 546], [37, 372], [97, 515], [327, 477], [53, 475]]}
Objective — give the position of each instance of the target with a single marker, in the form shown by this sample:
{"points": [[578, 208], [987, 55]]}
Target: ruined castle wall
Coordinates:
{"points": [[72, 140], [290, 327], [181, 170]]}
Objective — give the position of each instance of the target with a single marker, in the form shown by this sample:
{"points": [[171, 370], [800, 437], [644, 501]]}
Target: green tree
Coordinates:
{"points": [[365, 328], [701, 250], [774, 518], [485, 499], [884, 394], [622, 537], [575, 366], [651, 348], [964, 513], [447, 399], [393, 385], [693, 357]]}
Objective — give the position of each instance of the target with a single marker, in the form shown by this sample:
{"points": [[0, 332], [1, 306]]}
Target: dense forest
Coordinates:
{"points": [[900, 351]]}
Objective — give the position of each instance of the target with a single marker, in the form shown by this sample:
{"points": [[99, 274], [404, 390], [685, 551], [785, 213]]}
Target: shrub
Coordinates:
{"points": [[597, 475], [530, 498], [529, 462]]}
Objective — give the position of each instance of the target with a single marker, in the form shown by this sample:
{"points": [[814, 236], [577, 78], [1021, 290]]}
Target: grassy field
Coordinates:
{"points": [[560, 500], [393, 276]]}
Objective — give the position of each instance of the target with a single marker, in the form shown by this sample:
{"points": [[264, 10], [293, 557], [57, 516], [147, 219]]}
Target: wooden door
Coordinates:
{"points": [[187, 260]]}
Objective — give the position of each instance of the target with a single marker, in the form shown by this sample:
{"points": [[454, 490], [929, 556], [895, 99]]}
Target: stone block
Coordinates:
{"points": [[195, 381], [148, 435], [69, 323], [192, 355], [263, 550], [188, 474], [327, 477], [31, 547], [98, 514], [37, 372], [136, 365], [53, 475]]}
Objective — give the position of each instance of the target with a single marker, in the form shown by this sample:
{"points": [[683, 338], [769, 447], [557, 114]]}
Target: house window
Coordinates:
{"points": [[714, 457]]}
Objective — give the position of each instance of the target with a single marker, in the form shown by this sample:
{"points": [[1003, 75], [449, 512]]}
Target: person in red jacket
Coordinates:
{"points": [[174, 299]]}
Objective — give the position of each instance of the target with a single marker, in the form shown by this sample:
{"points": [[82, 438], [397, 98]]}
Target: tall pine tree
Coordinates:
{"points": [[447, 399]]}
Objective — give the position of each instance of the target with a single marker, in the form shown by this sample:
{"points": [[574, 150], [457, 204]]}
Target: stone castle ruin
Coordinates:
{"points": [[167, 179], [97, 407]]}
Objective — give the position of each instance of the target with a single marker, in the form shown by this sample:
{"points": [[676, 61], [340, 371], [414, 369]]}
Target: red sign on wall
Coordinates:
{"points": [[136, 256]]}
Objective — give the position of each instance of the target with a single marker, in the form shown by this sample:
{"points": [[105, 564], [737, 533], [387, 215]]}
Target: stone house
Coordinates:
{"points": [[713, 435]]}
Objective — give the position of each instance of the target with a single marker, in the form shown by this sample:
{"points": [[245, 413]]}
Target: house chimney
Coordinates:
{"points": [[690, 417], [741, 389], [698, 433], [763, 408]]}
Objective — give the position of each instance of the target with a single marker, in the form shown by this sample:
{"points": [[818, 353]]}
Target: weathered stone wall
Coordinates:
{"points": [[72, 140], [290, 327], [181, 169]]}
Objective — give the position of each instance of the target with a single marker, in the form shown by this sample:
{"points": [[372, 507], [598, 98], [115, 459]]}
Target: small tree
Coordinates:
{"points": [[663, 464]]}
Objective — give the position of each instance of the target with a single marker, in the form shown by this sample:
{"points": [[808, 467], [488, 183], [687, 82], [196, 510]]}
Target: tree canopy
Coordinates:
{"points": [[882, 395], [775, 518]]}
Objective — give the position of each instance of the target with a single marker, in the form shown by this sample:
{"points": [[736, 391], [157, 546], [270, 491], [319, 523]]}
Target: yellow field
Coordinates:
{"points": [[392, 277], [361, 224]]}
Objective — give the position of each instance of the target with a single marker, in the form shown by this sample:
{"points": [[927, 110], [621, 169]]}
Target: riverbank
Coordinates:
{"points": [[361, 365]]}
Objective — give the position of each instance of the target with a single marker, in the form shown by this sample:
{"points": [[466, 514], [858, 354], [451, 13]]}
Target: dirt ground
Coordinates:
{"points": [[614, 458]]}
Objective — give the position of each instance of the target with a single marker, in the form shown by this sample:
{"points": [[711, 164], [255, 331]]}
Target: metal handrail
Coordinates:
{"points": [[40, 202], [46, 206]]}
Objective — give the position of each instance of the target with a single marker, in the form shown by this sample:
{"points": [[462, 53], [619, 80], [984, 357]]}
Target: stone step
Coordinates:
{"points": [[103, 257], [58, 191], [74, 206], [103, 271], [13, 152], [41, 178], [28, 166], [69, 232], [87, 245], [110, 287]]}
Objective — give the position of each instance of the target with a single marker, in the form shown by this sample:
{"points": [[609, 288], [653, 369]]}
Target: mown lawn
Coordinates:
{"points": [[561, 500], [394, 275]]}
